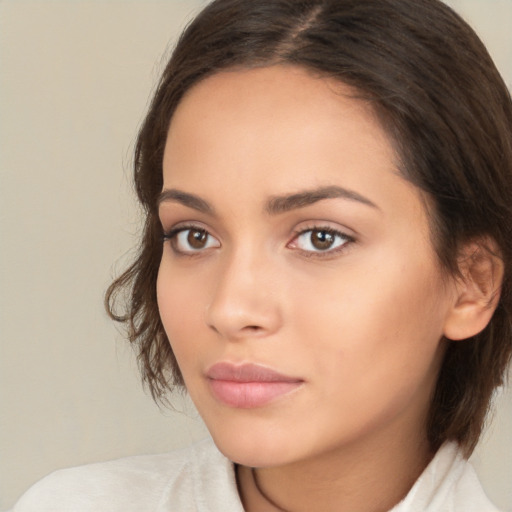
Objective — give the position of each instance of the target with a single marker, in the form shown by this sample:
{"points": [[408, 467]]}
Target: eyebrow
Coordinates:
{"points": [[282, 204], [275, 205], [186, 199]]}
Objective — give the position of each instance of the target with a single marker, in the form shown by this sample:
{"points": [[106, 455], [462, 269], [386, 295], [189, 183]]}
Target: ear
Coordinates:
{"points": [[477, 289]]}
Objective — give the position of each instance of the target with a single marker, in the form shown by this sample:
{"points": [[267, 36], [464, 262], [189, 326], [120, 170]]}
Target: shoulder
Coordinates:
{"points": [[148, 482], [448, 484], [467, 492]]}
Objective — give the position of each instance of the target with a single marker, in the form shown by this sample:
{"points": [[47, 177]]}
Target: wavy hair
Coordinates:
{"points": [[440, 98]]}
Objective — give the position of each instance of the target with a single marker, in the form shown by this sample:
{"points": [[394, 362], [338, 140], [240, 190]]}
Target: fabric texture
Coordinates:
{"points": [[201, 479]]}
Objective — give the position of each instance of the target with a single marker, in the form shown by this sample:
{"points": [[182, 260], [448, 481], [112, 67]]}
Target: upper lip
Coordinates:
{"points": [[247, 372]]}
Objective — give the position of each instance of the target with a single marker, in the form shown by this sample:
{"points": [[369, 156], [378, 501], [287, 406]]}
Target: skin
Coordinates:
{"points": [[360, 324]]}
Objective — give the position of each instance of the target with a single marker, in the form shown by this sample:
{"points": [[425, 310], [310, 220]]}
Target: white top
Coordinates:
{"points": [[201, 479]]}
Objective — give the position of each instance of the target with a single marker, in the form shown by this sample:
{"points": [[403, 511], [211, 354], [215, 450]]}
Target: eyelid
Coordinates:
{"points": [[181, 226], [173, 234], [301, 229], [322, 226]]}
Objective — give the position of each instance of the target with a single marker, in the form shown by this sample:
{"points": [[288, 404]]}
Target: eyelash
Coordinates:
{"points": [[172, 235], [329, 252]]}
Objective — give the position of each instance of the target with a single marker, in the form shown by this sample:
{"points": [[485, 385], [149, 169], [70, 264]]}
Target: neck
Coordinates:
{"points": [[367, 477]]}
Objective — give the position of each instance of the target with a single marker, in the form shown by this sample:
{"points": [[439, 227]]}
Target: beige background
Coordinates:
{"points": [[75, 77]]}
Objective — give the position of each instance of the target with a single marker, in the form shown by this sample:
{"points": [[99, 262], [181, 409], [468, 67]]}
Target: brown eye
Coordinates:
{"points": [[321, 239], [191, 240], [197, 238]]}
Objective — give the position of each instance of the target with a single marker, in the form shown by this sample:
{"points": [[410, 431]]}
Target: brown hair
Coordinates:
{"points": [[447, 110]]}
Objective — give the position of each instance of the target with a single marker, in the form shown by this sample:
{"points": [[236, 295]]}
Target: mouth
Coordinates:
{"points": [[249, 386]]}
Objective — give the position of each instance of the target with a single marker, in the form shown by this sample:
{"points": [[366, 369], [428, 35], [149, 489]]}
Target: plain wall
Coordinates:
{"points": [[75, 78]]}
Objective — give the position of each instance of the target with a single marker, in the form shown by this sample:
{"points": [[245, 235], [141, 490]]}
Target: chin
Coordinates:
{"points": [[253, 449]]}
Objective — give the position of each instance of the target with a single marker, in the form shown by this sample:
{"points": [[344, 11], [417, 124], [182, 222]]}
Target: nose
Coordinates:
{"points": [[245, 300]]}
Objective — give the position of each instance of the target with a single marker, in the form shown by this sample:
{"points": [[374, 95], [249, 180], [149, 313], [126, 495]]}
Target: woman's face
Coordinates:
{"points": [[298, 283]]}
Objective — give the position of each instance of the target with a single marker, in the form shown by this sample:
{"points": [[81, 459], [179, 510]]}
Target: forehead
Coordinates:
{"points": [[273, 85], [262, 132], [275, 109]]}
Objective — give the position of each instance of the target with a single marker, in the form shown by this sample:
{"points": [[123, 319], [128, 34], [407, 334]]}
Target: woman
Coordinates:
{"points": [[325, 264]]}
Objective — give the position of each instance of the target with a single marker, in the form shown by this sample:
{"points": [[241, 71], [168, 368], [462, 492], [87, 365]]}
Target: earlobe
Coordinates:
{"points": [[477, 290]]}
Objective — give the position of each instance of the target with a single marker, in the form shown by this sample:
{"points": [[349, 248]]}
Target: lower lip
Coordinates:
{"points": [[248, 395]]}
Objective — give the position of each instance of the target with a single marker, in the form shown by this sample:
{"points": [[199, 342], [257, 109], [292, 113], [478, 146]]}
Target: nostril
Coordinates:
{"points": [[213, 328], [227, 316]]}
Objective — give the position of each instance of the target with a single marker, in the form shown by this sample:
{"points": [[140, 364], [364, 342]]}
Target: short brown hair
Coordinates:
{"points": [[448, 112]]}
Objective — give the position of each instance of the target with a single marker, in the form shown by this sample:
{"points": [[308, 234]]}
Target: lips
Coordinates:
{"points": [[249, 385]]}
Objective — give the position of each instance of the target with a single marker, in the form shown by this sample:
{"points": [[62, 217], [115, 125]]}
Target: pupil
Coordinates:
{"points": [[322, 239], [197, 239]]}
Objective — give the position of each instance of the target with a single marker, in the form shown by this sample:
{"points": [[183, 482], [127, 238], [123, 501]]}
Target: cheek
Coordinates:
{"points": [[376, 349], [377, 325], [179, 304]]}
